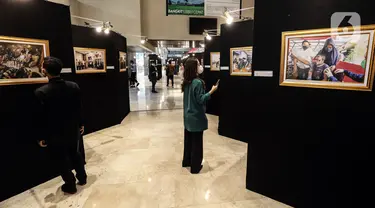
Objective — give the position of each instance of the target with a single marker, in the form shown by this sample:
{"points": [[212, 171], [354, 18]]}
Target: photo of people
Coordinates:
{"points": [[215, 61], [326, 60], [21, 60], [122, 61], [241, 61], [89, 60]]}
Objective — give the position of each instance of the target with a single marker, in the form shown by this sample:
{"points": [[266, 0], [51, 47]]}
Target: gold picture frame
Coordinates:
{"points": [[215, 61], [340, 58], [241, 65], [21, 60], [90, 60], [122, 61]]}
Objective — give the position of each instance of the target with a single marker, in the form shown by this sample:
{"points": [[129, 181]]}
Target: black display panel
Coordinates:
{"points": [[198, 25]]}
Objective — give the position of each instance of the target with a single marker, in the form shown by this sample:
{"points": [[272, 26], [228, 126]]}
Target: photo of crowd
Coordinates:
{"points": [[341, 59], [21, 60], [89, 60], [122, 61], [241, 61], [215, 61]]}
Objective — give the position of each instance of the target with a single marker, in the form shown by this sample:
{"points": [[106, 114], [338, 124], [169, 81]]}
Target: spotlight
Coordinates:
{"points": [[143, 41], [99, 29], [208, 37], [228, 17], [106, 31], [229, 20]]}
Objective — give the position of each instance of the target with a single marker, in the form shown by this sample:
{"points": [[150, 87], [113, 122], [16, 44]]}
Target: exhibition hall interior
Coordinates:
{"points": [[186, 103]]}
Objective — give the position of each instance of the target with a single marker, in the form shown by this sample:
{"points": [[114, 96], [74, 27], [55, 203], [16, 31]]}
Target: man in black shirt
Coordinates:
{"points": [[60, 118]]}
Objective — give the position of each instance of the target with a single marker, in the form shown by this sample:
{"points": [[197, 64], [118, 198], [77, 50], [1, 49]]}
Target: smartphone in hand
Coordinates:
{"points": [[217, 83]]}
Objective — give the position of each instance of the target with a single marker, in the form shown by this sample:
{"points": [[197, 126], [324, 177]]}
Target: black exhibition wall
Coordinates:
{"points": [[211, 77], [23, 162], [307, 147], [234, 106], [106, 97]]}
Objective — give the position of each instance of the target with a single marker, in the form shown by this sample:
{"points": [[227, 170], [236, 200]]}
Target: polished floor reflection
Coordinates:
{"points": [[168, 98], [138, 165]]}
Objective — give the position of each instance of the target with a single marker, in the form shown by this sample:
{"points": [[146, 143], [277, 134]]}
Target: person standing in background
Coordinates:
{"points": [[59, 107], [170, 73], [133, 77], [195, 120], [181, 70], [153, 76]]}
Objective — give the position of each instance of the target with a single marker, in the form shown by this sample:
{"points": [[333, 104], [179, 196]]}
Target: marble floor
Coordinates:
{"points": [[168, 98], [137, 164]]}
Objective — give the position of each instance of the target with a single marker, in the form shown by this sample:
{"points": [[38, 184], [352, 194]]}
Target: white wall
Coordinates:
{"points": [[125, 15], [156, 25]]}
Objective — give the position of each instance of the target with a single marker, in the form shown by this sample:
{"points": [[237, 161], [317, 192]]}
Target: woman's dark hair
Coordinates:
{"points": [[190, 72]]}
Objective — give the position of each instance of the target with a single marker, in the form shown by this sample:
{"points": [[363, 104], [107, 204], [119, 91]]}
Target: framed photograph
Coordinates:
{"points": [[215, 61], [90, 60], [241, 61], [21, 60], [122, 60], [326, 58]]}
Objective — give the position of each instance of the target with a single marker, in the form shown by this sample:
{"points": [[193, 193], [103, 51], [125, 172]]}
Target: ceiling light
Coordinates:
{"points": [[229, 20], [208, 37], [99, 29], [228, 17], [106, 31], [143, 41]]}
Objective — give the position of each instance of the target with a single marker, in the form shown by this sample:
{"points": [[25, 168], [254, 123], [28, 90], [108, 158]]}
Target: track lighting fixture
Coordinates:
{"points": [[105, 26], [99, 29], [228, 17]]}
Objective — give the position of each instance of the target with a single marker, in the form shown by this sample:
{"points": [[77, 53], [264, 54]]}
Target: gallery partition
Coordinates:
{"points": [[105, 96], [106, 101], [235, 102], [308, 147], [212, 72]]}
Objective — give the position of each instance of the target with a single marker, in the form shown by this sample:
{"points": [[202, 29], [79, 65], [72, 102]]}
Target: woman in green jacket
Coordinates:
{"points": [[195, 119]]}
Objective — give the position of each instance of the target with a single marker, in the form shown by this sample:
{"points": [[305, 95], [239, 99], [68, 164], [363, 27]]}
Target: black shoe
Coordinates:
{"points": [[196, 171], [154, 92], [82, 183], [69, 189]]}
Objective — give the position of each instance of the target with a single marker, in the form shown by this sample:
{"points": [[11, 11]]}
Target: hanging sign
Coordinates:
{"points": [[185, 7]]}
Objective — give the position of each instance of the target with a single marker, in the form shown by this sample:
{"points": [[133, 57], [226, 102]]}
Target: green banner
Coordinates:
{"points": [[185, 7]]}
